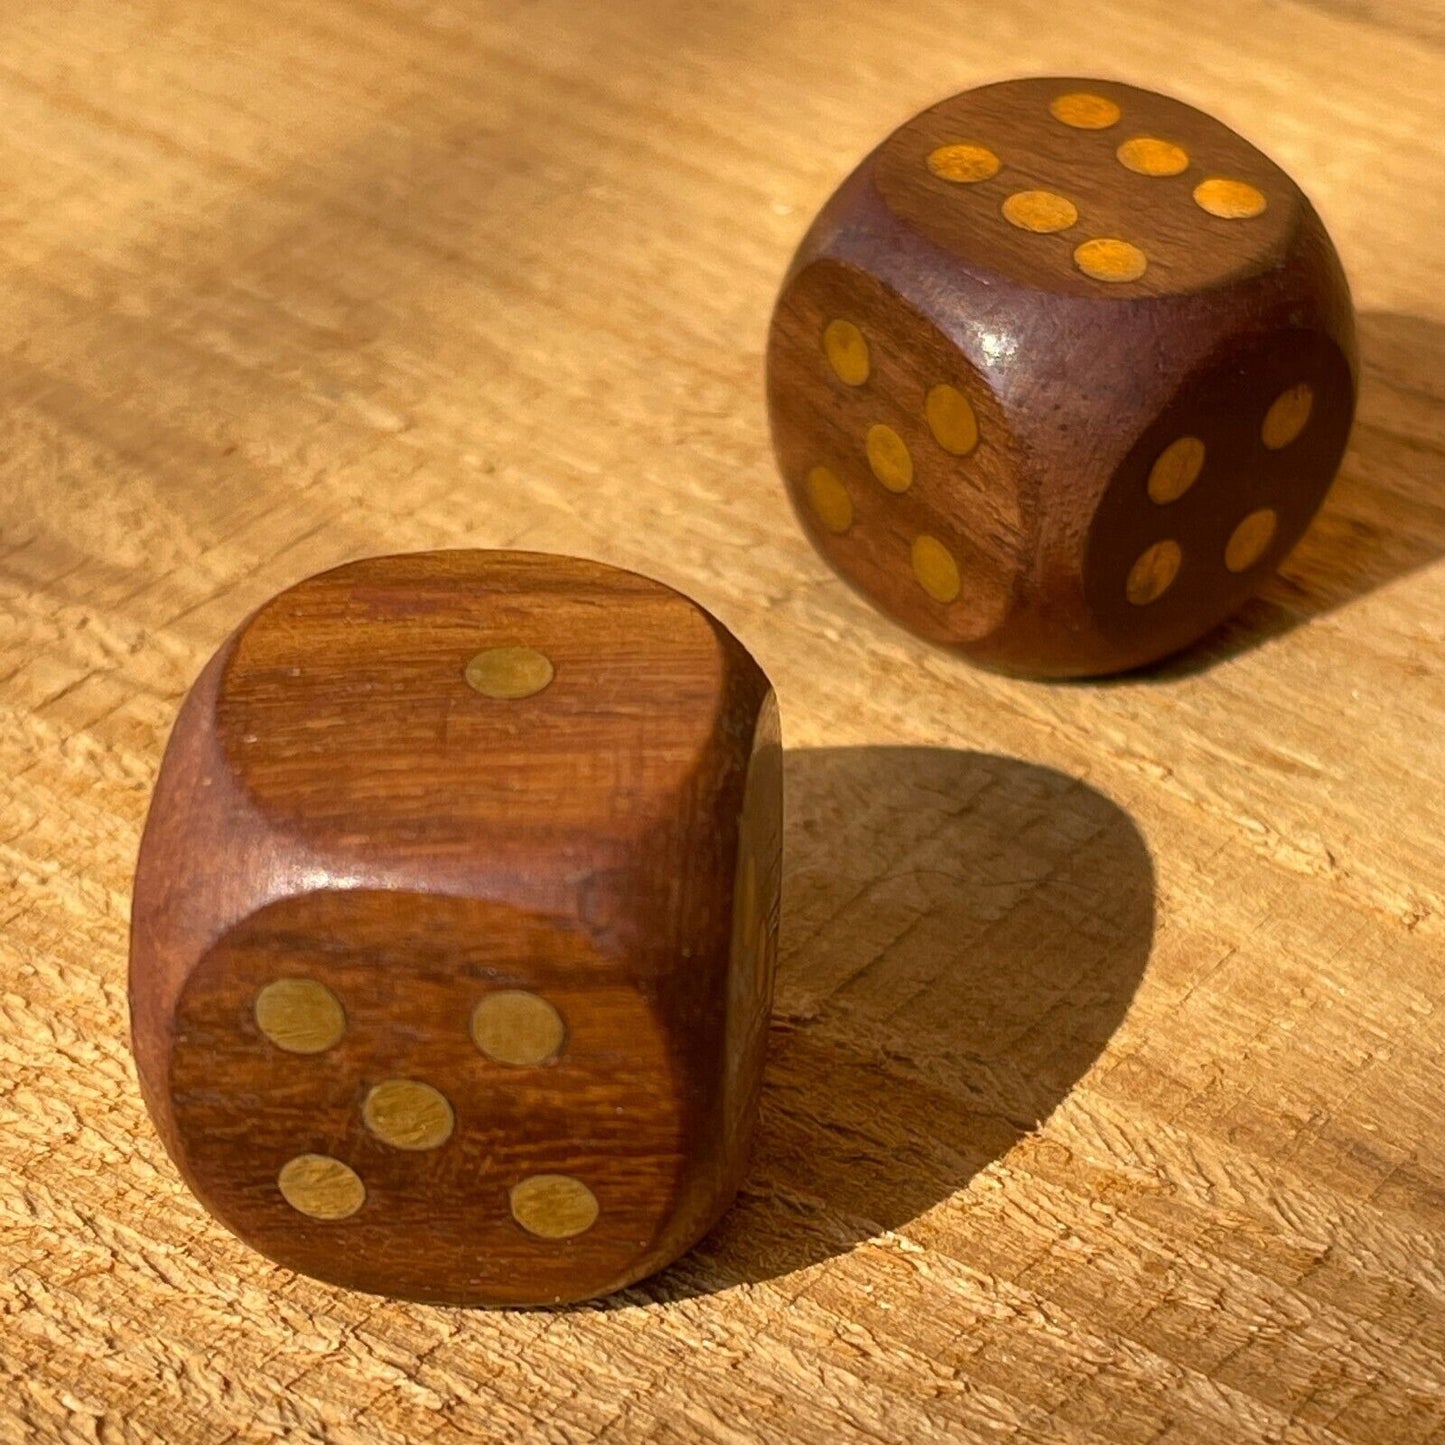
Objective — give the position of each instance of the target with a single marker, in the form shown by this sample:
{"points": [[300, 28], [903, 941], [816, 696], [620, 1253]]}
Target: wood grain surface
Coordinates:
{"points": [[1106, 1081]]}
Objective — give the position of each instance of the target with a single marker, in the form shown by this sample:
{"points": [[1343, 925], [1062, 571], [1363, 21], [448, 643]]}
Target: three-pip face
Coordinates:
{"points": [[1028, 302]]}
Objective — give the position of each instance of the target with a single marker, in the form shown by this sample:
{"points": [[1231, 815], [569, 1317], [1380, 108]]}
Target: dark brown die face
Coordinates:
{"points": [[1217, 491], [429, 1097], [1088, 188], [896, 454]]}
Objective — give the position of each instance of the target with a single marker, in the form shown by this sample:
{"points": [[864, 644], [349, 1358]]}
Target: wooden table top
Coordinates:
{"points": [[1107, 1082]]}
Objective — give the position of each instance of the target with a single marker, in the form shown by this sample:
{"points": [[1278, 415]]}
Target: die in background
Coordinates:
{"points": [[1061, 373], [455, 923]]}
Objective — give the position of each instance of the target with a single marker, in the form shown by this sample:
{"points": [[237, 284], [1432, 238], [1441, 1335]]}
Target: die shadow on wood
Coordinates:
{"points": [[1382, 519], [962, 935]]}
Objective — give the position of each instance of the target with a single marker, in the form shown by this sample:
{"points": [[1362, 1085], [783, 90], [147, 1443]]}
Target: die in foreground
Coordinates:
{"points": [[1060, 373], [454, 927]]}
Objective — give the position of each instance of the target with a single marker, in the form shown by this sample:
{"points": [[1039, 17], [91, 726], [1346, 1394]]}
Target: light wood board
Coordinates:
{"points": [[1107, 1081]]}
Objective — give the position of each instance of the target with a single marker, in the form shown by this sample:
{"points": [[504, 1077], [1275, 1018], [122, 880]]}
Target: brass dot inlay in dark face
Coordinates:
{"points": [[1230, 200], [554, 1206], [509, 673], [408, 1114], [951, 420], [1176, 470], [1147, 155], [963, 164], [1250, 540], [1213, 495], [1153, 572], [1040, 211], [829, 500], [1084, 110], [321, 1187], [1088, 188], [846, 348]]}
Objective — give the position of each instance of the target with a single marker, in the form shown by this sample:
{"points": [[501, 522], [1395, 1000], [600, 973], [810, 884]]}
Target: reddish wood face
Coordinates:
{"points": [[347, 700], [430, 1213], [455, 924], [998, 327]]}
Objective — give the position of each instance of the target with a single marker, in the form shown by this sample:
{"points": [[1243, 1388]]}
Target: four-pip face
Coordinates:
{"points": [[1060, 372], [455, 924]]}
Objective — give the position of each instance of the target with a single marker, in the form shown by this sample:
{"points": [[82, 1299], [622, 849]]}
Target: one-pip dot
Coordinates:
{"points": [[509, 673]]}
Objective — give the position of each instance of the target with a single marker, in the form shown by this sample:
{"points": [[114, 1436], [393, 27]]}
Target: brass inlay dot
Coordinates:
{"points": [[518, 1028], [888, 456], [1147, 155], [963, 164], [935, 569], [1107, 259], [847, 352], [1288, 417], [951, 419], [1248, 541], [1176, 470], [554, 1206], [320, 1186], [1040, 211], [300, 1015], [510, 673], [1154, 573], [1084, 111], [1229, 200], [829, 500], [408, 1114]]}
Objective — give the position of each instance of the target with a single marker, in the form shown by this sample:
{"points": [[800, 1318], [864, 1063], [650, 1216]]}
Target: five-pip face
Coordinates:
{"points": [[431, 1097]]}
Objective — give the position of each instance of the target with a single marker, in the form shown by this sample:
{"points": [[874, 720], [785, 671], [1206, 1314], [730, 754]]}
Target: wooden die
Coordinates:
{"points": [[455, 922]]}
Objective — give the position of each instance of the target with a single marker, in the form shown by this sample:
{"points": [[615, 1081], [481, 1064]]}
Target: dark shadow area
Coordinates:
{"points": [[962, 935], [1385, 515]]}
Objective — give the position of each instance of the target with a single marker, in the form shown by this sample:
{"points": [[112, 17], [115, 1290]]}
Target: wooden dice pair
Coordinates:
{"points": [[456, 912]]}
